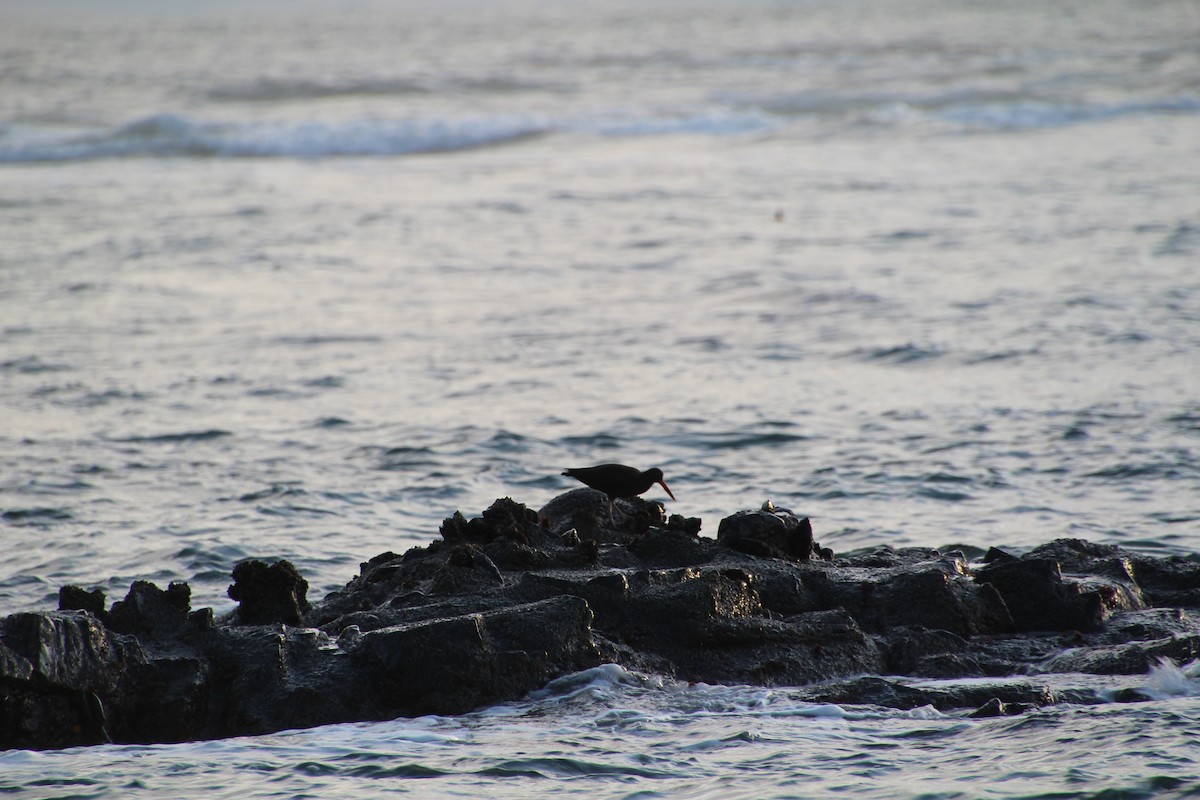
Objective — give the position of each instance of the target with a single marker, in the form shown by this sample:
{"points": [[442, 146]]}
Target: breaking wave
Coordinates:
{"points": [[180, 136], [727, 114], [172, 135]]}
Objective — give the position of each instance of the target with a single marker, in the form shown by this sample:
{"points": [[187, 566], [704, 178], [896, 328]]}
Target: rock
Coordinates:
{"points": [[772, 534], [76, 598], [995, 555], [670, 547], [1132, 695], [885, 589], [466, 570], [148, 609], [505, 519], [709, 626], [586, 512], [870, 690], [899, 694], [924, 652], [480, 658], [1171, 581], [503, 603], [57, 670], [1151, 623], [266, 594], [1039, 600], [1127, 659], [790, 592]]}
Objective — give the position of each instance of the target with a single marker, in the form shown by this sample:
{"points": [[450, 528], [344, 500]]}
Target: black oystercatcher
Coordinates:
{"points": [[618, 480]]}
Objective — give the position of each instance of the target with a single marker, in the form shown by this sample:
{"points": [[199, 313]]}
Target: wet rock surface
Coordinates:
{"points": [[503, 603]]}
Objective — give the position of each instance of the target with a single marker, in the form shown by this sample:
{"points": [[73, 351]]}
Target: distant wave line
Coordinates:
{"points": [[174, 135]]}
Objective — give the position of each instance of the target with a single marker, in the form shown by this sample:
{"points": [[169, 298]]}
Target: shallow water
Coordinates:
{"points": [[609, 733], [283, 284]]}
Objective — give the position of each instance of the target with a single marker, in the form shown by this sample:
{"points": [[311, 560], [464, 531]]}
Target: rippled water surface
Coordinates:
{"points": [[300, 283], [608, 733]]}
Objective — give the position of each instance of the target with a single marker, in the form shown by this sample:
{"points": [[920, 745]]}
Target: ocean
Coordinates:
{"points": [[299, 280]]}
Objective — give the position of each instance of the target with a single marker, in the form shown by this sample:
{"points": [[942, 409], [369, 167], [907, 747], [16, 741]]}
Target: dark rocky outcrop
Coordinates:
{"points": [[269, 593], [771, 532], [507, 601]]}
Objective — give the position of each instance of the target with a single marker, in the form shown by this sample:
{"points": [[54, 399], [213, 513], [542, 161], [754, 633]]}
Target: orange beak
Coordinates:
{"points": [[664, 485]]}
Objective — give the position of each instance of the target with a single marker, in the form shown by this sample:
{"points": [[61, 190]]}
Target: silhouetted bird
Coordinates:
{"points": [[618, 480]]}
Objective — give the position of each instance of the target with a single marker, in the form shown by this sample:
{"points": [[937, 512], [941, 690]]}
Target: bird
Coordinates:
{"points": [[618, 480]]}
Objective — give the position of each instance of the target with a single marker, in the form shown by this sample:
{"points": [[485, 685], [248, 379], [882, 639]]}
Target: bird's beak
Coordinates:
{"points": [[664, 485]]}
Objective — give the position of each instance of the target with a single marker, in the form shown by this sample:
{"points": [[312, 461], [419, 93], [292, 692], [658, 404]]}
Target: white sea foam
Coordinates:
{"points": [[605, 677], [1167, 679]]}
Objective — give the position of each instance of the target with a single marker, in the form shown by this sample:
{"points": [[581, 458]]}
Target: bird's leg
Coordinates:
{"points": [[612, 503]]}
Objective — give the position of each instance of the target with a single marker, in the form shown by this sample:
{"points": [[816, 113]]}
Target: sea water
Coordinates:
{"points": [[299, 281], [610, 733]]}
